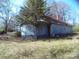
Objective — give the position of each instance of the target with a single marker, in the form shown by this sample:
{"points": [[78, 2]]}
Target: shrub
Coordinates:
{"points": [[18, 34], [76, 28]]}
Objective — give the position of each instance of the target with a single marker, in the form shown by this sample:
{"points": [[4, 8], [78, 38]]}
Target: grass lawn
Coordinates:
{"points": [[59, 49]]}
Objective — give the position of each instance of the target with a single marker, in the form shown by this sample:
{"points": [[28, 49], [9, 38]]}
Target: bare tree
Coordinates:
{"points": [[58, 10], [5, 12]]}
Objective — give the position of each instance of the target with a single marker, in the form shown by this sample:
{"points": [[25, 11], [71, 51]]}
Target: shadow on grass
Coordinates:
{"points": [[56, 37], [60, 36]]}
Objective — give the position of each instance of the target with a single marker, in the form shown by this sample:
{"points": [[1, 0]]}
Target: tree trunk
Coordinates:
{"points": [[6, 26]]}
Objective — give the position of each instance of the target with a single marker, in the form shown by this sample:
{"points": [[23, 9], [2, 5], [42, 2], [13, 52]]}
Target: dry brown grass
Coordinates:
{"points": [[59, 49]]}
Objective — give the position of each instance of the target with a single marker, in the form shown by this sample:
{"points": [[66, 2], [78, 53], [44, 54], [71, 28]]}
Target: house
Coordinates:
{"points": [[45, 28]]}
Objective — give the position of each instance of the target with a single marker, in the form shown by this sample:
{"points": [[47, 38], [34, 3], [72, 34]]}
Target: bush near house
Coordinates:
{"points": [[76, 28], [2, 30], [18, 34]]}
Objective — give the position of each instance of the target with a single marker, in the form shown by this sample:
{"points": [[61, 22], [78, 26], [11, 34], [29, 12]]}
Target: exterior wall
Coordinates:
{"points": [[60, 30], [28, 31], [42, 31], [31, 32]]}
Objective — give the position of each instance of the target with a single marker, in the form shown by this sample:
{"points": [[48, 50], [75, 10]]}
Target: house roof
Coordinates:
{"points": [[50, 20]]}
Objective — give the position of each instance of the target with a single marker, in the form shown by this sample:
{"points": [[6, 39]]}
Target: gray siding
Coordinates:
{"points": [[60, 29], [42, 31], [28, 31]]}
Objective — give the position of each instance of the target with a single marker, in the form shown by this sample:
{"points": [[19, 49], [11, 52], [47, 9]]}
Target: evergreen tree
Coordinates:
{"points": [[32, 11]]}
